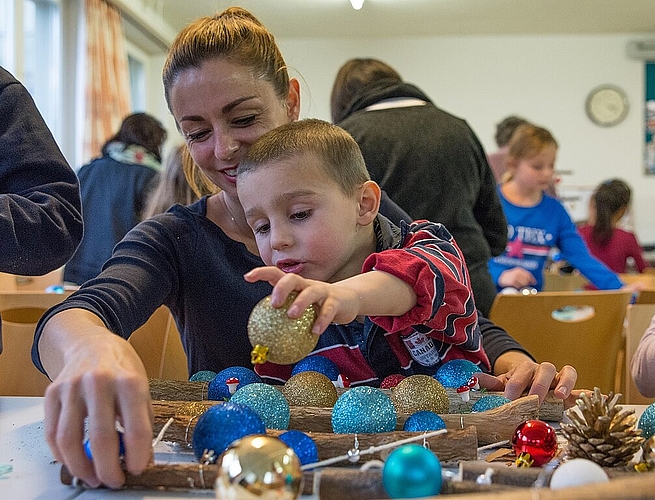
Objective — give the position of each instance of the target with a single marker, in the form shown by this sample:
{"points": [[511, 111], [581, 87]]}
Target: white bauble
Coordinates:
{"points": [[577, 472]]}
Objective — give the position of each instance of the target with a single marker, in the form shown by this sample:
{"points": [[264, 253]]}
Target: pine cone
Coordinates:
{"points": [[604, 433]]}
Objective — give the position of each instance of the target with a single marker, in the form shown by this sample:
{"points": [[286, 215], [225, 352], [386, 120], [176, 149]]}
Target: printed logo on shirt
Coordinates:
{"points": [[422, 349]]}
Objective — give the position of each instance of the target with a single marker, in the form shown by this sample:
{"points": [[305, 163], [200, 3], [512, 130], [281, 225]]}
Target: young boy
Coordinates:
{"points": [[314, 211]]}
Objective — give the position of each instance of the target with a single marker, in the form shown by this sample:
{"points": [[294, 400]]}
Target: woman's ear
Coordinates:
{"points": [[369, 202], [293, 100]]}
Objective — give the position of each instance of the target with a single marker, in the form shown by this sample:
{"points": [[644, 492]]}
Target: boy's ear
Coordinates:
{"points": [[369, 202]]}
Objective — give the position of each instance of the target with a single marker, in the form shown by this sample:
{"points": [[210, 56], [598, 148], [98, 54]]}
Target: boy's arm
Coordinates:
{"points": [[371, 293]]}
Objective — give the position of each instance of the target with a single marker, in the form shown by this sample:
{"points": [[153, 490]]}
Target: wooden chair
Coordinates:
{"points": [[158, 344], [581, 329], [20, 312], [637, 320], [563, 282]]}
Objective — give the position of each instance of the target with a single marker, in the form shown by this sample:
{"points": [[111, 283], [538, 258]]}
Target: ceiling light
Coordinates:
{"points": [[357, 4]]}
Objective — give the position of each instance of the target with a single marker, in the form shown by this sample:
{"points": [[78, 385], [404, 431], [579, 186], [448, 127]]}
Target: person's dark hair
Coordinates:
{"points": [[352, 77], [335, 149], [143, 130], [236, 35], [609, 199], [506, 128]]}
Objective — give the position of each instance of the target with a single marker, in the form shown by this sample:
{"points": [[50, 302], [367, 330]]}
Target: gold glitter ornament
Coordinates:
{"points": [[278, 338], [420, 392], [190, 409], [258, 467], [310, 388]]}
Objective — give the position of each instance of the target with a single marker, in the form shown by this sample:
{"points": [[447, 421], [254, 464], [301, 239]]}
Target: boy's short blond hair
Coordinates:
{"points": [[336, 150]]}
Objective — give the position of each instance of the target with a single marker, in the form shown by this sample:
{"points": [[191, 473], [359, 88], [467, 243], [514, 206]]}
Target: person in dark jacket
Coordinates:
{"points": [[430, 162], [40, 209], [114, 188]]}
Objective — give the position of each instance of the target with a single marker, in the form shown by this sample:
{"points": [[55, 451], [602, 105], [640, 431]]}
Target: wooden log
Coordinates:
{"points": [[522, 477], [551, 410], [453, 446], [492, 426], [636, 487]]}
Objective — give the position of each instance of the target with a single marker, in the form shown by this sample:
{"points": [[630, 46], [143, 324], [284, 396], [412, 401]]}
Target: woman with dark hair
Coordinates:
{"points": [[114, 187]]}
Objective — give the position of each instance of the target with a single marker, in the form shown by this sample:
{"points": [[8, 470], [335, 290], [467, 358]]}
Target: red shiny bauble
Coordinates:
{"points": [[536, 438], [391, 381]]}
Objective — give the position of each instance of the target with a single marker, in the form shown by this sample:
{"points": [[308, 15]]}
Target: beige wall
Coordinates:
{"points": [[482, 79]]}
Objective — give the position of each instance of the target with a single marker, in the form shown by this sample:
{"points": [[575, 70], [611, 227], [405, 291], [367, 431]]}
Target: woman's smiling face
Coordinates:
{"points": [[221, 109]]}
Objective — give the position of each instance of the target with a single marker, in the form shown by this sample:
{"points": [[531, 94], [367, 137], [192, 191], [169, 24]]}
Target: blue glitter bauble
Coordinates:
{"points": [[489, 403], [412, 471], [121, 447], [424, 420], [218, 390], [456, 373], [302, 444], [202, 376], [319, 364], [647, 422], [269, 403], [223, 424], [363, 410]]}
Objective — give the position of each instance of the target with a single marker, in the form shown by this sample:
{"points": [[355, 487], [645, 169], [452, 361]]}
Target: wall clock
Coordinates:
{"points": [[607, 105]]}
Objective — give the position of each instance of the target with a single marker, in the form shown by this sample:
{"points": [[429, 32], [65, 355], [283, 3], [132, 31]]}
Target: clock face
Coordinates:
{"points": [[607, 105]]}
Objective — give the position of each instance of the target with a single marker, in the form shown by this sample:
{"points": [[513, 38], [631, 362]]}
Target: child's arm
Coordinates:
{"points": [[575, 251], [371, 293]]}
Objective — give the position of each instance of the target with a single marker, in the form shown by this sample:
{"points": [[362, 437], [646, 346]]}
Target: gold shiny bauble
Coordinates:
{"points": [[190, 409], [420, 392], [258, 467], [310, 388], [277, 338]]}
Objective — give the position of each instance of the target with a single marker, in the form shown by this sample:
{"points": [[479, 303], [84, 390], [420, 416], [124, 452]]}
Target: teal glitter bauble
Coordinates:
{"points": [[269, 403], [412, 471], [302, 444], [218, 389], [647, 422], [456, 373], [363, 410], [202, 376], [489, 403], [222, 424], [424, 420]]}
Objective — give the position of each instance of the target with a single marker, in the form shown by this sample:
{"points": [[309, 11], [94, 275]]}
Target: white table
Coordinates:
{"points": [[22, 445], [35, 475]]}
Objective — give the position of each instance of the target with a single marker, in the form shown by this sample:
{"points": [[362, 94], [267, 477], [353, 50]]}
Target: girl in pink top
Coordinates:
{"points": [[605, 241]]}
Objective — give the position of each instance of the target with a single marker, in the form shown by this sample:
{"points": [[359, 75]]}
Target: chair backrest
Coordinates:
{"points": [[158, 344], [20, 312], [563, 282], [637, 320], [646, 280], [581, 329]]}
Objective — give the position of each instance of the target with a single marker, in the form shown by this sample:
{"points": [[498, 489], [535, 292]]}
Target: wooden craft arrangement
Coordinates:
{"points": [[466, 432]]}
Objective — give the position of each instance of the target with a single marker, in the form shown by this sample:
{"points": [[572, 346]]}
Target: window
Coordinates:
{"points": [[7, 34], [137, 84], [41, 56]]}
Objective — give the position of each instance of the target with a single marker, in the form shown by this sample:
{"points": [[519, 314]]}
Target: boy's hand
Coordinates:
{"points": [[336, 304]]}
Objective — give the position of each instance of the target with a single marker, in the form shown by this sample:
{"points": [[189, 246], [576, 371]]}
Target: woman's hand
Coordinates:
{"points": [[99, 376], [516, 277], [523, 375]]}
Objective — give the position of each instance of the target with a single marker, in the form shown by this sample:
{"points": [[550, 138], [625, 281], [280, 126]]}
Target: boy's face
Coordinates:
{"points": [[303, 222]]}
